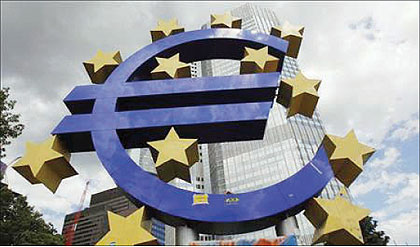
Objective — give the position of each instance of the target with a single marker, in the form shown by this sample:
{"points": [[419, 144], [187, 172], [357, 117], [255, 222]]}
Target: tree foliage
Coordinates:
{"points": [[20, 224], [9, 122], [370, 235]]}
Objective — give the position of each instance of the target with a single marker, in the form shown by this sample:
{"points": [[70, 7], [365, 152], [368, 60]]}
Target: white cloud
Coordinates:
{"points": [[377, 177], [391, 157], [398, 215], [403, 229], [382, 181], [368, 62], [408, 129], [367, 84], [370, 84], [407, 194]]}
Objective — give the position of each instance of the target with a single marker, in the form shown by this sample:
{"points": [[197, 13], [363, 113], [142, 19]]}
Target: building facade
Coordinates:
{"points": [[288, 144], [93, 222], [238, 167], [198, 183]]}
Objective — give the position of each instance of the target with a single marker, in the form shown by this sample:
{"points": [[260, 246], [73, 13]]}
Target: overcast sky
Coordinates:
{"points": [[367, 55]]}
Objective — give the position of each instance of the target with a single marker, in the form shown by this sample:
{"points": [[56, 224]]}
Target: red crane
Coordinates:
{"points": [[69, 232]]}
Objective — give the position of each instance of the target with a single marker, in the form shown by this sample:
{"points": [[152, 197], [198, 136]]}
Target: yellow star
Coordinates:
{"points": [[102, 65], [174, 156], [337, 221], [347, 156], [291, 33], [225, 21], [169, 68], [258, 61], [166, 28], [127, 230], [299, 95], [46, 162]]}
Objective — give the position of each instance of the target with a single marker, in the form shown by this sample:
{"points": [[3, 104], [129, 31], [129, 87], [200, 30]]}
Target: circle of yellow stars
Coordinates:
{"points": [[48, 162]]}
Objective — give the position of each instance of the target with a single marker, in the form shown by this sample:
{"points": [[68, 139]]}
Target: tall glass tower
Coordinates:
{"points": [[237, 167], [198, 183], [288, 144]]}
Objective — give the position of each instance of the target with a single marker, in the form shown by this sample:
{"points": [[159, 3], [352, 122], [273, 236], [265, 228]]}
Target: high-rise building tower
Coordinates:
{"points": [[237, 167], [93, 223], [288, 144], [198, 184]]}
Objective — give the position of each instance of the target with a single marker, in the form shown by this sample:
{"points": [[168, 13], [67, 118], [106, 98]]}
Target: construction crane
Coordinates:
{"points": [[69, 232]]}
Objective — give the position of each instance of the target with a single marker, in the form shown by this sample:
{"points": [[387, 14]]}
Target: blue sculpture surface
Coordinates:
{"points": [[130, 109]]}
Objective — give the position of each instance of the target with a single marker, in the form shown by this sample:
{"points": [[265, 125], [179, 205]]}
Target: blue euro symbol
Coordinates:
{"points": [[130, 109]]}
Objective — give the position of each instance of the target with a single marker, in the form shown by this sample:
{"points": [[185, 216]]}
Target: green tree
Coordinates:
{"points": [[20, 224], [370, 235], [9, 122]]}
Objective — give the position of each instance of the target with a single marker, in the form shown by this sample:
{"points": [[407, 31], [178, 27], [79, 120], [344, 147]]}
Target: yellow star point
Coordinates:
{"points": [[174, 156], [47, 163], [166, 28], [225, 20], [337, 221], [170, 68], [299, 95], [258, 61], [347, 156], [293, 34], [127, 230], [102, 65]]}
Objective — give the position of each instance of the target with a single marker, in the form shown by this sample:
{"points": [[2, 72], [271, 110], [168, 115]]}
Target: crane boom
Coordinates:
{"points": [[69, 232]]}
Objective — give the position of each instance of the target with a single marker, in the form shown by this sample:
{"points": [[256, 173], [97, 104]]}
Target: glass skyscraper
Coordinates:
{"points": [[288, 144], [237, 167], [198, 184]]}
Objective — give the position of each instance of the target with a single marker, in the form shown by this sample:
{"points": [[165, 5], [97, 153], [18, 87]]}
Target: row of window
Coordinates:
{"points": [[199, 186]]}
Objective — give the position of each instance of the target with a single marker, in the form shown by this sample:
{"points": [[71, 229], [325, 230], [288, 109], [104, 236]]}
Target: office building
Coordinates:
{"points": [[93, 222], [288, 144], [198, 184], [238, 167]]}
